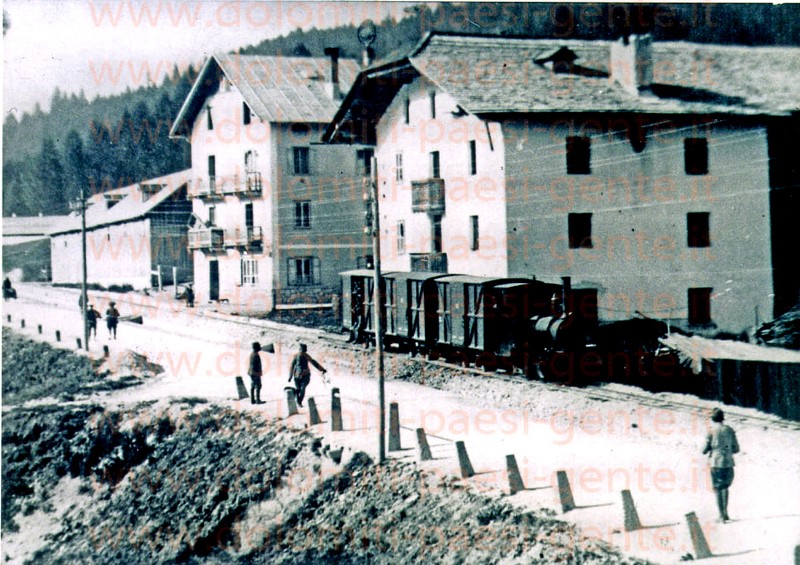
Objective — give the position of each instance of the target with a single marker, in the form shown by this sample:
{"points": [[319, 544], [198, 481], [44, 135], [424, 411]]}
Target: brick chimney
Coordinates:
{"points": [[631, 64], [332, 83]]}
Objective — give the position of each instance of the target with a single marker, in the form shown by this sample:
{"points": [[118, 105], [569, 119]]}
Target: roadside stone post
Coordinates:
{"points": [[565, 492], [336, 411], [394, 427], [291, 402], [463, 461], [313, 414], [39, 327], [58, 335], [515, 483], [78, 341], [631, 516], [241, 390], [22, 323], [701, 549], [424, 448]]}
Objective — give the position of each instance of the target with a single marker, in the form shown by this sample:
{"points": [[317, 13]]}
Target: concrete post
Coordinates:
{"points": [[631, 516], [424, 448], [515, 483], [313, 414], [336, 411], [463, 461], [394, 427], [701, 549], [565, 492], [291, 401]]}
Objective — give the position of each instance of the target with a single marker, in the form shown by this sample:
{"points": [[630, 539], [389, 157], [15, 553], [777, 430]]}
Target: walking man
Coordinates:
{"points": [[255, 372], [112, 319], [301, 373], [92, 316], [721, 444]]}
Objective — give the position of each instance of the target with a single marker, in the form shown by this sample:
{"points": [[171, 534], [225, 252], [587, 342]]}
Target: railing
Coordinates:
{"points": [[427, 196], [218, 186], [206, 238], [244, 237], [429, 262]]}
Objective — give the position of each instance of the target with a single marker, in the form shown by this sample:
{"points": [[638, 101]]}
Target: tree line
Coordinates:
{"points": [[118, 140]]}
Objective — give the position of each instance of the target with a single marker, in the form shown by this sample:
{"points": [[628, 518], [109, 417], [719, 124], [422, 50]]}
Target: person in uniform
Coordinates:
{"points": [[720, 446], [112, 319], [92, 316], [300, 372], [255, 372]]}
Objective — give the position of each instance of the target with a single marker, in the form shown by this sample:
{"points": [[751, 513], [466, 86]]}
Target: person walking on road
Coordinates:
{"points": [[92, 316], [255, 372], [720, 446], [112, 319], [300, 372]]}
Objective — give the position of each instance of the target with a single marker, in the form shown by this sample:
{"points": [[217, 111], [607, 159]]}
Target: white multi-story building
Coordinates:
{"points": [[277, 214], [660, 177]]}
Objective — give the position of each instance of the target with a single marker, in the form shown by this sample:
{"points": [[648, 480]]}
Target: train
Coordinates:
{"points": [[524, 326]]}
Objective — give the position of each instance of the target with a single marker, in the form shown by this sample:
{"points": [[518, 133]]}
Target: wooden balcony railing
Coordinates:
{"points": [[427, 196]]}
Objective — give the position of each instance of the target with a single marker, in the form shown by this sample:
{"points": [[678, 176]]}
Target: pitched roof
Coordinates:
{"points": [[497, 75], [132, 203], [277, 89], [488, 75]]}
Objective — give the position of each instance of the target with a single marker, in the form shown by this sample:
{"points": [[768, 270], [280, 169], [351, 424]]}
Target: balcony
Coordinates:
{"points": [[427, 196], [206, 239], [218, 186], [429, 262], [244, 237]]}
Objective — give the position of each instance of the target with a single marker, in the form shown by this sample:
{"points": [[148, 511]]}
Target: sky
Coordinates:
{"points": [[104, 46]]}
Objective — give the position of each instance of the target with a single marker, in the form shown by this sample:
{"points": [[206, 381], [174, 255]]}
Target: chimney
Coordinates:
{"points": [[367, 56], [631, 64], [332, 84]]}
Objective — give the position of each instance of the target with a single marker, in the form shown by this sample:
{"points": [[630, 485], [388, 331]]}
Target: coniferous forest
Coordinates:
{"points": [[117, 140]]}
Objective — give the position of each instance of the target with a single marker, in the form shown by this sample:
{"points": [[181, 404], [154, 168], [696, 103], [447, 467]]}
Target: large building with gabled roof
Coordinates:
{"points": [[133, 233], [662, 178], [277, 215]]}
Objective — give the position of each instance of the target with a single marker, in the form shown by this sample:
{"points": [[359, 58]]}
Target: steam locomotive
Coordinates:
{"points": [[523, 326]]}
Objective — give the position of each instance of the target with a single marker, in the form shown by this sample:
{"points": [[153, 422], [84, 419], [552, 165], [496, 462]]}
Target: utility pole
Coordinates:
{"points": [[84, 298], [376, 304]]}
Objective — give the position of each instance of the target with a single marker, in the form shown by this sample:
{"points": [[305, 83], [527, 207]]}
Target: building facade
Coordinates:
{"points": [[132, 234], [276, 214], [658, 177]]}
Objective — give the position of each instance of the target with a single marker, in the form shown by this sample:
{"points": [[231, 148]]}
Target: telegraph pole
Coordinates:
{"points": [[84, 298], [376, 305]]}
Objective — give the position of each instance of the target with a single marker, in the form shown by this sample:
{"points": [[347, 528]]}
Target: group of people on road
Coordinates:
{"points": [[299, 370], [92, 316]]}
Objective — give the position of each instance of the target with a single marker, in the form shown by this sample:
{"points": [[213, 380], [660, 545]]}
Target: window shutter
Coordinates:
{"points": [[312, 161], [290, 161]]}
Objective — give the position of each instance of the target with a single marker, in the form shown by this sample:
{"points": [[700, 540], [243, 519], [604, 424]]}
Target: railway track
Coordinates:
{"points": [[592, 392]]}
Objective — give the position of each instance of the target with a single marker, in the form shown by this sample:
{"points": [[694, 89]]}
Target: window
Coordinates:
{"points": [[474, 234], [695, 155], [580, 231], [250, 162], [473, 158], [697, 230], [432, 97], [209, 120], [407, 110], [364, 159], [303, 271], [579, 156], [398, 166], [401, 237], [212, 173], [249, 268], [301, 160], [699, 305], [435, 171], [245, 113], [302, 214]]}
